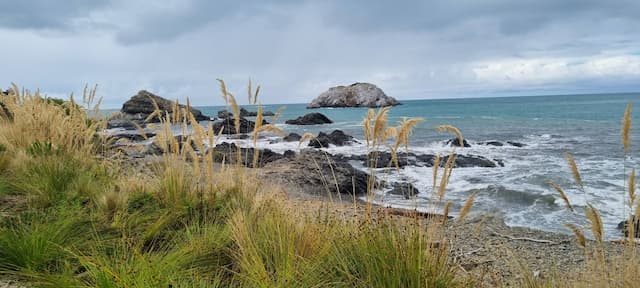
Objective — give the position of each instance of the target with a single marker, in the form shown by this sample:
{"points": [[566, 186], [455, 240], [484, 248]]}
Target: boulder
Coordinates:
{"points": [[464, 161], [290, 154], [134, 135], [407, 190], [228, 126], [336, 137], [310, 119], [141, 105], [383, 159], [292, 137], [354, 95], [228, 152], [223, 114], [456, 142]]}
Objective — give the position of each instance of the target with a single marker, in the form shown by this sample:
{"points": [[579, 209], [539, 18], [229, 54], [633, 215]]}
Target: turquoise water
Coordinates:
{"points": [[588, 126]]}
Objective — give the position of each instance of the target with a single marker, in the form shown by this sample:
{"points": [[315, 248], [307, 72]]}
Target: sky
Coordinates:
{"points": [[297, 49]]}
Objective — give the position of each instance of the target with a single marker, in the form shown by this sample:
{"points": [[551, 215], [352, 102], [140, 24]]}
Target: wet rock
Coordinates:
{"points": [[310, 119], [516, 144], [292, 137], [336, 137], [456, 142], [141, 105], [463, 161], [246, 113], [407, 190], [354, 95], [492, 143]]}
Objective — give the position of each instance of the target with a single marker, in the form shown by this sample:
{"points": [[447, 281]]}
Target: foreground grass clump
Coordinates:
{"points": [[72, 217]]}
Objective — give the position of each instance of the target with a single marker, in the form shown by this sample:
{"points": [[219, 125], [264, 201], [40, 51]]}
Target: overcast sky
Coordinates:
{"points": [[298, 49]]}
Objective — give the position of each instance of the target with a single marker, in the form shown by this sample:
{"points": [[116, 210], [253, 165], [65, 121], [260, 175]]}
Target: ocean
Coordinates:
{"points": [[587, 126]]}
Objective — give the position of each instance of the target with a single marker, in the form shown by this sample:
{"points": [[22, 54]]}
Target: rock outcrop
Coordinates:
{"points": [[318, 173], [141, 105], [310, 119], [228, 152], [354, 95], [292, 137], [336, 137], [382, 159]]}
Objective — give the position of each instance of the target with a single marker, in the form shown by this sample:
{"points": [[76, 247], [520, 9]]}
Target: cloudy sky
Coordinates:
{"points": [[297, 49]]}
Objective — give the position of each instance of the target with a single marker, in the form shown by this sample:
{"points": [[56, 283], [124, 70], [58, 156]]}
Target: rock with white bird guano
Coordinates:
{"points": [[354, 95]]}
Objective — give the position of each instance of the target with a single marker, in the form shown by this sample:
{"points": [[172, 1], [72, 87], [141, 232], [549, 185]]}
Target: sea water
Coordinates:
{"points": [[587, 126]]}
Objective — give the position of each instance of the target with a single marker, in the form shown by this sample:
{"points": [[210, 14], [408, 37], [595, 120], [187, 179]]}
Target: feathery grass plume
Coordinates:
{"points": [[446, 174], [305, 137], [403, 131], [236, 111], [574, 168], [366, 123], [445, 212], [466, 208], [223, 90], [626, 128], [436, 165], [577, 231], [632, 187], [562, 195], [593, 215], [452, 129], [380, 125], [255, 96], [258, 124], [249, 91]]}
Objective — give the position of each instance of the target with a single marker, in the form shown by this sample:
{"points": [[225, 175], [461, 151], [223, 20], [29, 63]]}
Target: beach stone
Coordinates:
{"points": [[292, 137], [354, 95], [407, 190], [456, 142], [141, 105], [336, 137], [310, 119]]}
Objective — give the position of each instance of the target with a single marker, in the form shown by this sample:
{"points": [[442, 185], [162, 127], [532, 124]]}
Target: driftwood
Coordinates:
{"points": [[494, 232]]}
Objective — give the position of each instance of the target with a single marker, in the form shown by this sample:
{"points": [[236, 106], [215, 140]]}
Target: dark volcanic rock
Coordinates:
{"points": [[336, 137], [290, 154], [516, 144], [141, 105], [463, 161], [456, 142], [310, 119], [318, 173], [407, 190], [354, 95], [228, 126], [381, 159], [228, 152], [223, 114], [492, 143], [292, 137]]}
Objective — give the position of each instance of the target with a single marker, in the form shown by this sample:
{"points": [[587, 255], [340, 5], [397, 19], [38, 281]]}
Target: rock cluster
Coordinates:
{"points": [[310, 119]]}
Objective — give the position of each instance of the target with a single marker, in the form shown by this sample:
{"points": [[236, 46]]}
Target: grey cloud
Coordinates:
{"points": [[46, 14]]}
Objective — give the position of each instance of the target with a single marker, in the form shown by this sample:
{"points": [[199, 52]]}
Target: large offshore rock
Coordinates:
{"points": [[354, 95], [141, 105]]}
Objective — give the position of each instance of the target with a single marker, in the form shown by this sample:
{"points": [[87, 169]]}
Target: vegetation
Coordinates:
{"points": [[73, 215]]}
